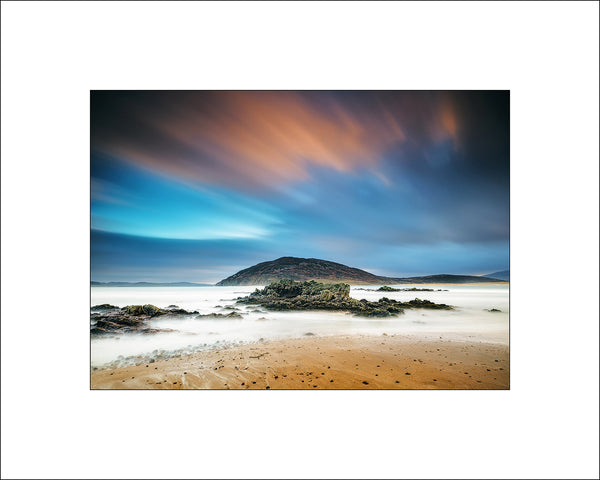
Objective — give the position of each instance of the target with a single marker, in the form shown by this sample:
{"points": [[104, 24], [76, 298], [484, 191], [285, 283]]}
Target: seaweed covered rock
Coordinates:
{"points": [[104, 307], [289, 288], [418, 303], [108, 319], [385, 288], [216, 316], [150, 310], [290, 295]]}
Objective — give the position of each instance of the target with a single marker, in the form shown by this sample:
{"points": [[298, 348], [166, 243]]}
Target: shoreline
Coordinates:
{"points": [[351, 284], [401, 361]]}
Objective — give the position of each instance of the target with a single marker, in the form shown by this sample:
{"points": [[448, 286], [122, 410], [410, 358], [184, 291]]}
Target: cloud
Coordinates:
{"points": [[262, 139], [129, 200], [404, 182]]}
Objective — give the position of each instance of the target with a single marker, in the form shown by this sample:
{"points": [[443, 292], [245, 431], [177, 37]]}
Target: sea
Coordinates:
{"points": [[469, 319]]}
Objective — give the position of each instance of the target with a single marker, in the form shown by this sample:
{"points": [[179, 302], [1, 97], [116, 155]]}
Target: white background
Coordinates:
{"points": [[546, 426]]}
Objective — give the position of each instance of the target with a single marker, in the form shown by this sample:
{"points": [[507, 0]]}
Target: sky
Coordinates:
{"points": [[196, 185]]}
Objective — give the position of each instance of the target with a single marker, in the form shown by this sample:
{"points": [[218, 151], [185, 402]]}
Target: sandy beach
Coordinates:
{"points": [[342, 362]]}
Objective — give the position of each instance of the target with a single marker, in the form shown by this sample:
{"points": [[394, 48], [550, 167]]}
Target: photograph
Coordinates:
{"points": [[300, 239], [376, 221]]}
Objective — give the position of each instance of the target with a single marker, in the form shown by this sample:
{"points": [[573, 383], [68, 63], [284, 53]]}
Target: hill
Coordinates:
{"points": [[303, 269], [503, 275], [300, 269], [147, 284]]}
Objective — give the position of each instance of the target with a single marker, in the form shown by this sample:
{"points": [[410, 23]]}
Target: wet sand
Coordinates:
{"points": [[348, 362]]}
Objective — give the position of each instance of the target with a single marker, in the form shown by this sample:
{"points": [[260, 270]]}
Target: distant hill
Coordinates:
{"points": [[503, 275], [323, 270], [148, 284], [447, 278]]}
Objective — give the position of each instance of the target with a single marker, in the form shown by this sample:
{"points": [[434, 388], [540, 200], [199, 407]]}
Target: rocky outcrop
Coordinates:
{"points": [[109, 319], [217, 316], [137, 310], [290, 295], [385, 288], [103, 308]]}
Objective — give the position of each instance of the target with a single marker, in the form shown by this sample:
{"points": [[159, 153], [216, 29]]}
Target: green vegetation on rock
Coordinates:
{"points": [[136, 310]]}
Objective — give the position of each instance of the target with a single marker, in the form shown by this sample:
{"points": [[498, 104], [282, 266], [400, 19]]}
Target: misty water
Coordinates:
{"points": [[470, 319]]}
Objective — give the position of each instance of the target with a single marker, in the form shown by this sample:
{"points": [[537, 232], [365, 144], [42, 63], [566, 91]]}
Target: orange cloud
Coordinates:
{"points": [[447, 123], [257, 139]]}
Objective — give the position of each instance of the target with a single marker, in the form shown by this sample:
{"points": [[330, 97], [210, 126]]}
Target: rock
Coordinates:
{"points": [[129, 319], [216, 316], [138, 310], [413, 289], [309, 334], [326, 296], [366, 383], [177, 311], [104, 307], [290, 295], [230, 307], [377, 312]]}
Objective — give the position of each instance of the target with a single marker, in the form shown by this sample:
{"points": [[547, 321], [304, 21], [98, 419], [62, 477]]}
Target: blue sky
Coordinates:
{"points": [[194, 186]]}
